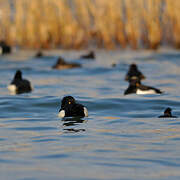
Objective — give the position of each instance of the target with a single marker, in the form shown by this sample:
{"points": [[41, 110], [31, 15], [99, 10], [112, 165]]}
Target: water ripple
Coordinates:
{"points": [[122, 138]]}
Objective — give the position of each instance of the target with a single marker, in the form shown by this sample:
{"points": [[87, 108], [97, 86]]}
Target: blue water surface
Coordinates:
{"points": [[121, 139]]}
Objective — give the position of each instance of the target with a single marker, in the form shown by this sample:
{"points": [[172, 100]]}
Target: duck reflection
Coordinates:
{"points": [[72, 130], [74, 121]]}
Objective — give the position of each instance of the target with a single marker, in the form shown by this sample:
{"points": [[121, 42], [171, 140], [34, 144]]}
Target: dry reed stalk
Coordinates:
{"points": [[49, 26], [105, 23], [78, 23], [4, 20], [100, 21], [67, 24], [84, 14], [173, 12], [120, 36], [152, 20], [132, 23], [19, 22], [111, 22], [25, 23]]}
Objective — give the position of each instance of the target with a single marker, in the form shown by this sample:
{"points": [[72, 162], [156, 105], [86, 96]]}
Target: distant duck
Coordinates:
{"points": [[19, 85], [39, 54], [136, 87], [90, 55], [69, 108], [4, 48], [134, 72], [167, 114], [62, 64], [113, 64]]}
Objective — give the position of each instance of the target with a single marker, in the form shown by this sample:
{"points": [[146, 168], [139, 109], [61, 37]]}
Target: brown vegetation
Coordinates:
{"points": [[83, 23]]}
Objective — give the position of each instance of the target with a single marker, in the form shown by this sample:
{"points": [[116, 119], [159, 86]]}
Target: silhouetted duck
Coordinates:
{"points": [[19, 85], [39, 54], [62, 64], [90, 55], [136, 87], [4, 48], [133, 71], [167, 114], [113, 64], [69, 108]]}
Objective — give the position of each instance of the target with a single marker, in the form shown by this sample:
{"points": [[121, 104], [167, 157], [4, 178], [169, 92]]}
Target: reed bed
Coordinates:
{"points": [[86, 23]]}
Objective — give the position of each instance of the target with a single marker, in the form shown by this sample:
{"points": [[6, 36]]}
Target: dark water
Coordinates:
{"points": [[121, 139]]}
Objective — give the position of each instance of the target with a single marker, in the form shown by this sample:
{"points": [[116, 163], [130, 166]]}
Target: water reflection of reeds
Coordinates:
{"points": [[80, 23]]}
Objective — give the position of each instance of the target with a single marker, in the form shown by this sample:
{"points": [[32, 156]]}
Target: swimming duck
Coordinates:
{"points": [[167, 113], [62, 64], [113, 64], [136, 87], [90, 55], [39, 54], [4, 48], [19, 85], [134, 72], [69, 108]]}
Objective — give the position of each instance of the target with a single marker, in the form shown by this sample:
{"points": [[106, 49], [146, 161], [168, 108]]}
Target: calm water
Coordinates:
{"points": [[121, 139]]}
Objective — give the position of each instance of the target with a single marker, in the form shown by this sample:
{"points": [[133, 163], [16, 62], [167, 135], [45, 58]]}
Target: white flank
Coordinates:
{"points": [[150, 91], [1, 51], [12, 88], [61, 114], [85, 112], [32, 87]]}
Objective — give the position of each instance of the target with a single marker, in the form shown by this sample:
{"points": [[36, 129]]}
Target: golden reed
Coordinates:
{"points": [[82, 23]]}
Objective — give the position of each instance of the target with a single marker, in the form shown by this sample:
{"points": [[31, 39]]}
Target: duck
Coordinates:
{"points": [[4, 48], [136, 87], [167, 114], [70, 108], [62, 64], [90, 55], [19, 85], [134, 72], [113, 65], [39, 54]]}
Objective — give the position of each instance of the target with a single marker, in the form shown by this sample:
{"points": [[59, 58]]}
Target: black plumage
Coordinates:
{"points": [[134, 72], [22, 85], [136, 87], [69, 108], [90, 55], [39, 54], [167, 114], [5, 49], [62, 64]]}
